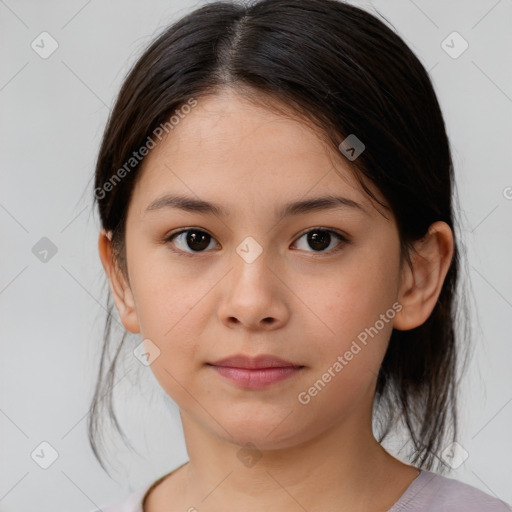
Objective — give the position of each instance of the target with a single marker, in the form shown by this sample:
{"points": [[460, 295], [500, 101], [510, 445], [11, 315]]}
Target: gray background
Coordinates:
{"points": [[53, 112]]}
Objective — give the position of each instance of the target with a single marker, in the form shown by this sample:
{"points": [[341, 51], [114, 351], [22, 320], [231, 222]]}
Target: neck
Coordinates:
{"points": [[345, 464]]}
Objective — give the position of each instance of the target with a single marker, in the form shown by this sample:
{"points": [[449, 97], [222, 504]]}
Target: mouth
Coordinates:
{"points": [[256, 378], [257, 372], [262, 361]]}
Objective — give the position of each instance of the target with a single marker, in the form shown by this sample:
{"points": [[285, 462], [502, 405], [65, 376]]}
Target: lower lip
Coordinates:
{"points": [[256, 378]]}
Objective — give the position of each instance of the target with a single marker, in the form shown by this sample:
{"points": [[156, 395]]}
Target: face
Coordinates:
{"points": [[307, 287]]}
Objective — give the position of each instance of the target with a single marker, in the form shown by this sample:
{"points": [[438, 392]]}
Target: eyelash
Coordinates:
{"points": [[343, 240]]}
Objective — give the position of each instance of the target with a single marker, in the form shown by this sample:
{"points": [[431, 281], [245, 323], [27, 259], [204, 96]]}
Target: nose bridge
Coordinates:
{"points": [[250, 250], [251, 264]]}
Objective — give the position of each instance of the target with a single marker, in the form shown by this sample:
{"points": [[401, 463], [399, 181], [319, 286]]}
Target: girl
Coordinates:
{"points": [[275, 193]]}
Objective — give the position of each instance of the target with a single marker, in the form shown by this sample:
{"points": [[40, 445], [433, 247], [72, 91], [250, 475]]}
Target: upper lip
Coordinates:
{"points": [[261, 361]]}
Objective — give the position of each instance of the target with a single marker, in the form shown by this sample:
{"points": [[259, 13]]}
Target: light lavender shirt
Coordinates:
{"points": [[429, 492]]}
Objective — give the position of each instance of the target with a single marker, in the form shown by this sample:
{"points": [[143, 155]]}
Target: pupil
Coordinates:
{"points": [[198, 237], [315, 239]]}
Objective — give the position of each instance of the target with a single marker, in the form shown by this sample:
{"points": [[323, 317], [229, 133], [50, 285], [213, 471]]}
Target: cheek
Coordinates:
{"points": [[354, 293], [163, 293], [354, 307]]}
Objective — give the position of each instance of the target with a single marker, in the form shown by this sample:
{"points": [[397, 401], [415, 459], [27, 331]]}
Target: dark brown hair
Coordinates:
{"points": [[346, 71]]}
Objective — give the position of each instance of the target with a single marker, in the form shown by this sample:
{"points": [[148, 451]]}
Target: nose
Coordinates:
{"points": [[254, 296]]}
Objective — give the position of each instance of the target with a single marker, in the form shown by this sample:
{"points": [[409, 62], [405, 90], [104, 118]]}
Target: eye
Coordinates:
{"points": [[321, 238], [195, 239]]}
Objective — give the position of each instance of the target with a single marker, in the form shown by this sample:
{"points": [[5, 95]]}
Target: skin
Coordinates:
{"points": [[293, 301]]}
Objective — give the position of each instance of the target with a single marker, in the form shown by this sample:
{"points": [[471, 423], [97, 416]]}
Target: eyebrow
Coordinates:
{"points": [[193, 205]]}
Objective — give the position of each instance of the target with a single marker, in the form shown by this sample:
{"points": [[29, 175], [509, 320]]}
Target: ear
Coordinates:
{"points": [[119, 284], [423, 280]]}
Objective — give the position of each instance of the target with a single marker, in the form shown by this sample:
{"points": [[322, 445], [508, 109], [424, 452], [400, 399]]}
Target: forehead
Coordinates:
{"points": [[229, 148]]}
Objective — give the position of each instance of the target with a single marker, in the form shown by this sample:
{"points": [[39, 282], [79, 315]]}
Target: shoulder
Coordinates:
{"points": [[130, 503], [135, 501], [435, 493]]}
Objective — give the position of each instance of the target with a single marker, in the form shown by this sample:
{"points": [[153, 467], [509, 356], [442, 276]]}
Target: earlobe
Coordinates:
{"points": [[121, 290], [423, 279]]}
